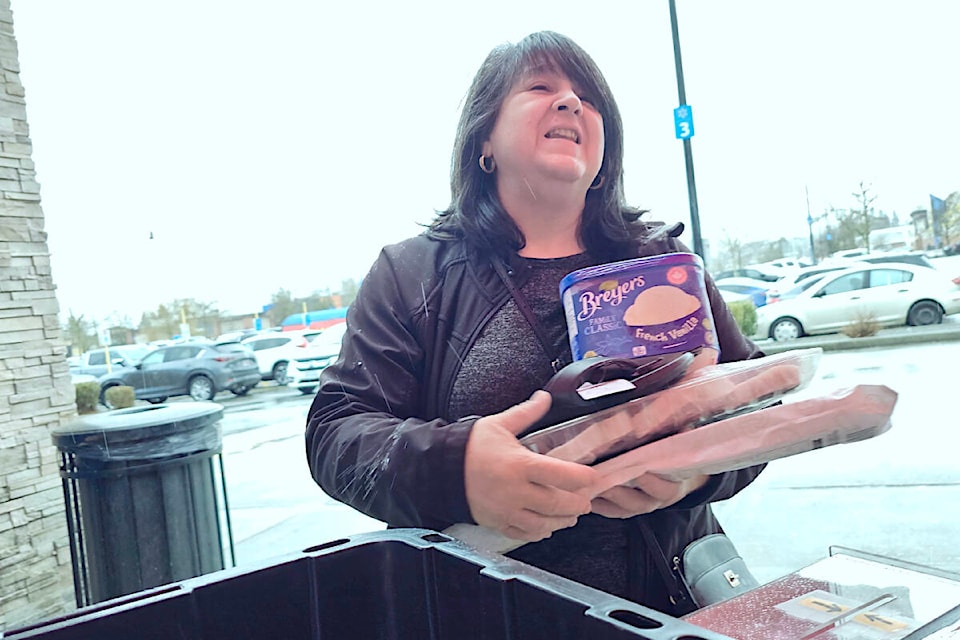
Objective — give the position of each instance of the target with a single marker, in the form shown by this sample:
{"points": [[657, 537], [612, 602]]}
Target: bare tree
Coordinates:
{"points": [[164, 323], [861, 217], [80, 333], [733, 250], [348, 291], [282, 304], [950, 222]]}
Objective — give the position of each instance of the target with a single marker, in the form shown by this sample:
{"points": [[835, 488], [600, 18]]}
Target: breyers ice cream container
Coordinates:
{"points": [[640, 307]]}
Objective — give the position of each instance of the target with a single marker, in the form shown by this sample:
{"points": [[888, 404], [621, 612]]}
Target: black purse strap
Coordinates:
{"points": [[556, 362], [677, 588]]}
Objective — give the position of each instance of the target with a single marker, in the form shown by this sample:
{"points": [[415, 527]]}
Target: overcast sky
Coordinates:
{"points": [[270, 145]]}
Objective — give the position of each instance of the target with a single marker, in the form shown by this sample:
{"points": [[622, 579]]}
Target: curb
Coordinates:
{"points": [[884, 338]]}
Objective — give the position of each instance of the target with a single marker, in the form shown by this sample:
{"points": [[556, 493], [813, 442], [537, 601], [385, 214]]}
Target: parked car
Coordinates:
{"points": [[910, 257], [235, 346], [766, 275], [235, 336], [753, 290], [790, 280], [304, 370], [274, 350], [196, 370], [783, 264], [732, 296], [889, 294], [849, 253], [94, 362]]}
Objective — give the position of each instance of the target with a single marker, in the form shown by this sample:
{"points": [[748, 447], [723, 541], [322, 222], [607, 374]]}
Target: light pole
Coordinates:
{"points": [[687, 149], [813, 252]]}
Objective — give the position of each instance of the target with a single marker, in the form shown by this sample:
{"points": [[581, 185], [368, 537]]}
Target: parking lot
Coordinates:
{"points": [[886, 495]]}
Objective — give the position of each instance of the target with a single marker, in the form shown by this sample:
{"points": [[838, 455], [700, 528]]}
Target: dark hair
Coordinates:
{"points": [[475, 212]]}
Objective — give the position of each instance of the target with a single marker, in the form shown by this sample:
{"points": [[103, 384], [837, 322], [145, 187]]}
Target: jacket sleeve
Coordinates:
{"points": [[366, 443]]}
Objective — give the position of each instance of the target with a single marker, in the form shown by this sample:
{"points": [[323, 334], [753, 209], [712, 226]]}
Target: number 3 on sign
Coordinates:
{"points": [[683, 122]]}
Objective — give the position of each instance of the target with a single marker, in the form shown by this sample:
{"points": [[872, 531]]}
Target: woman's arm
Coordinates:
{"points": [[366, 444], [369, 445]]}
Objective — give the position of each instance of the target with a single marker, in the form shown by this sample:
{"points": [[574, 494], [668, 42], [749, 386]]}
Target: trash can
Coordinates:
{"points": [[142, 497]]}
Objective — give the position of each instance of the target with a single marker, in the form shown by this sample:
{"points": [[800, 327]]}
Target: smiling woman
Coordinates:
{"points": [[454, 331]]}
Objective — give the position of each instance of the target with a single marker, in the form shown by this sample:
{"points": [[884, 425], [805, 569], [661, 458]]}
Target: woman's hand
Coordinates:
{"points": [[643, 495], [522, 494]]}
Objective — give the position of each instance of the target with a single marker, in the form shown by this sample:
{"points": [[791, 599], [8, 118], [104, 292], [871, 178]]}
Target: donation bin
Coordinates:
{"points": [[142, 497], [399, 584]]}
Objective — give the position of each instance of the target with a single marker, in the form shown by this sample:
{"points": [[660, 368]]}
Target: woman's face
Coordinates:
{"points": [[547, 128]]}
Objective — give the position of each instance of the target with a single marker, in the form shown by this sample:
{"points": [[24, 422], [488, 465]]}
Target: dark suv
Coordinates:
{"points": [[195, 370]]}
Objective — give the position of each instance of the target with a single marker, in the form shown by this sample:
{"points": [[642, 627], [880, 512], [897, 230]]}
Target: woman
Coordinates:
{"points": [[416, 423]]}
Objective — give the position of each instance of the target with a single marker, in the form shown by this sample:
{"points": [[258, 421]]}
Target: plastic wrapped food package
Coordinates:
{"points": [[718, 418], [846, 415], [704, 395]]}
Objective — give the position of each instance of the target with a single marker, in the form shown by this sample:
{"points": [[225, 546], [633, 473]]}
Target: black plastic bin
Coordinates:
{"points": [[398, 584], [142, 497]]}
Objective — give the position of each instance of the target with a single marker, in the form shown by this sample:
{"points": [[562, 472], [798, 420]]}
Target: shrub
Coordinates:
{"points": [[119, 397], [745, 315], [88, 394], [863, 325]]}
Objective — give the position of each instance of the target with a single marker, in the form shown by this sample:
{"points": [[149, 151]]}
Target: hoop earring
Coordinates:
{"points": [[596, 184], [483, 164]]}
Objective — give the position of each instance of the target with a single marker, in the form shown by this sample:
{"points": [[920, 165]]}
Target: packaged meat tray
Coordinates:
{"points": [[702, 396], [843, 416]]}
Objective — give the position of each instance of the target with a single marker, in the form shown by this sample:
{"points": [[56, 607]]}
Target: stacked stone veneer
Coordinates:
{"points": [[36, 395]]}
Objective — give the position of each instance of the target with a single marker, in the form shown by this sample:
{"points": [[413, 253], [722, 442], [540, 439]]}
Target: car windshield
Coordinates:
{"points": [[233, 347], [132, 352], [803, 286]]}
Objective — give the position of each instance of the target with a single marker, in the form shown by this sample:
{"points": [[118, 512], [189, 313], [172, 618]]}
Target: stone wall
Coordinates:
{"points": [[36, 395]]}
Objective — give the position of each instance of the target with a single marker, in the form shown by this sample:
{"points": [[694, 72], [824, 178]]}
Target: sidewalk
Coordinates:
{"points": [[897, 336]]}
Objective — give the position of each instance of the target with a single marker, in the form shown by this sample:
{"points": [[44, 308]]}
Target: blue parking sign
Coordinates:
{"points": [[683, 121]]}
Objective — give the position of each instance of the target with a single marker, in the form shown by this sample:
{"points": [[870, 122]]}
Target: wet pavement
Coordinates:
{"points": [[890, 495]]}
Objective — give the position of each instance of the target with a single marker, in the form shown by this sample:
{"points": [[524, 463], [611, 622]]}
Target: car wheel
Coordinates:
{"points": [[280, 373], [925, 312], [201, 388], [103, 396], [157, 400], [307, 390], [786, 329], [242, 391]]}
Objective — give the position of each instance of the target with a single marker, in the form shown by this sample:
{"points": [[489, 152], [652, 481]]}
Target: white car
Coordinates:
{"points": [[733, 289], [889, 294], [304, 371], [792, 279], [782, 265], [274, 350]]}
